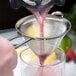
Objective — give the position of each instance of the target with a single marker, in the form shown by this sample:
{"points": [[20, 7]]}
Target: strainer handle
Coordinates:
{"points": [[21, 44]]}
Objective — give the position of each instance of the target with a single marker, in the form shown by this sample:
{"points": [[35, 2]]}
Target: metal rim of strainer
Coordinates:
{"points": [[52, 17]]}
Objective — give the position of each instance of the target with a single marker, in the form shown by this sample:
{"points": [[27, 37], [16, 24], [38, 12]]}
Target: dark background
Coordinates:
{"points": [[9, 16]]}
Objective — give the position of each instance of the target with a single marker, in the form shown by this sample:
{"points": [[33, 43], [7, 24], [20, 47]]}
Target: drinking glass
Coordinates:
{"points": [[54, 64]]}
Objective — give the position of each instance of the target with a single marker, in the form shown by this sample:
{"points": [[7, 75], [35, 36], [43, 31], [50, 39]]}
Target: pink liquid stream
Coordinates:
{"points": [[49, 71], [40, 15]]}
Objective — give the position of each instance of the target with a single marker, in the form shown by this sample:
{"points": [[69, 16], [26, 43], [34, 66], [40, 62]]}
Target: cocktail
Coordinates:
{"points": [[53, 66]]}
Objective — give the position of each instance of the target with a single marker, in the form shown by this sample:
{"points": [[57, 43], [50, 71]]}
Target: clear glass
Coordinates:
{"points": [[54, 64]]}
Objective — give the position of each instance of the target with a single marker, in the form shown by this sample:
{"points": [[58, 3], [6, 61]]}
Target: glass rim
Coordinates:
{"points": [[35, 65], [63, 20]]}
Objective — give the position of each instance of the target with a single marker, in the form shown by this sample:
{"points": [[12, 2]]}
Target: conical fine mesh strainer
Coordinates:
{"points": [[55, 28]]}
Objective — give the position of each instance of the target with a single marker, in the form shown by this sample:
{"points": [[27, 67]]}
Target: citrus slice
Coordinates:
{"points": [[33, 30], [28, 52], [20, 49], [50, 58]]}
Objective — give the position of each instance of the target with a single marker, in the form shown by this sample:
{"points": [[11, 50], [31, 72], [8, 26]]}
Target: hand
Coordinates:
{"points": [[8, 57]]}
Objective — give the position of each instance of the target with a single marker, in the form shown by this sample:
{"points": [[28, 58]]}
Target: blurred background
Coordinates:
{"points": [[9, 16]]}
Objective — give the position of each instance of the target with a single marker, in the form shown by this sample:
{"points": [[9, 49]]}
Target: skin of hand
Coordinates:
{"points": [[8, 57]]}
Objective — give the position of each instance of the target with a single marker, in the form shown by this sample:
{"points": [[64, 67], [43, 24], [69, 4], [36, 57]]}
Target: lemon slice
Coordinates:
{"points": [[50, 58], [28, 52], [33, 30], [20, 49]]}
